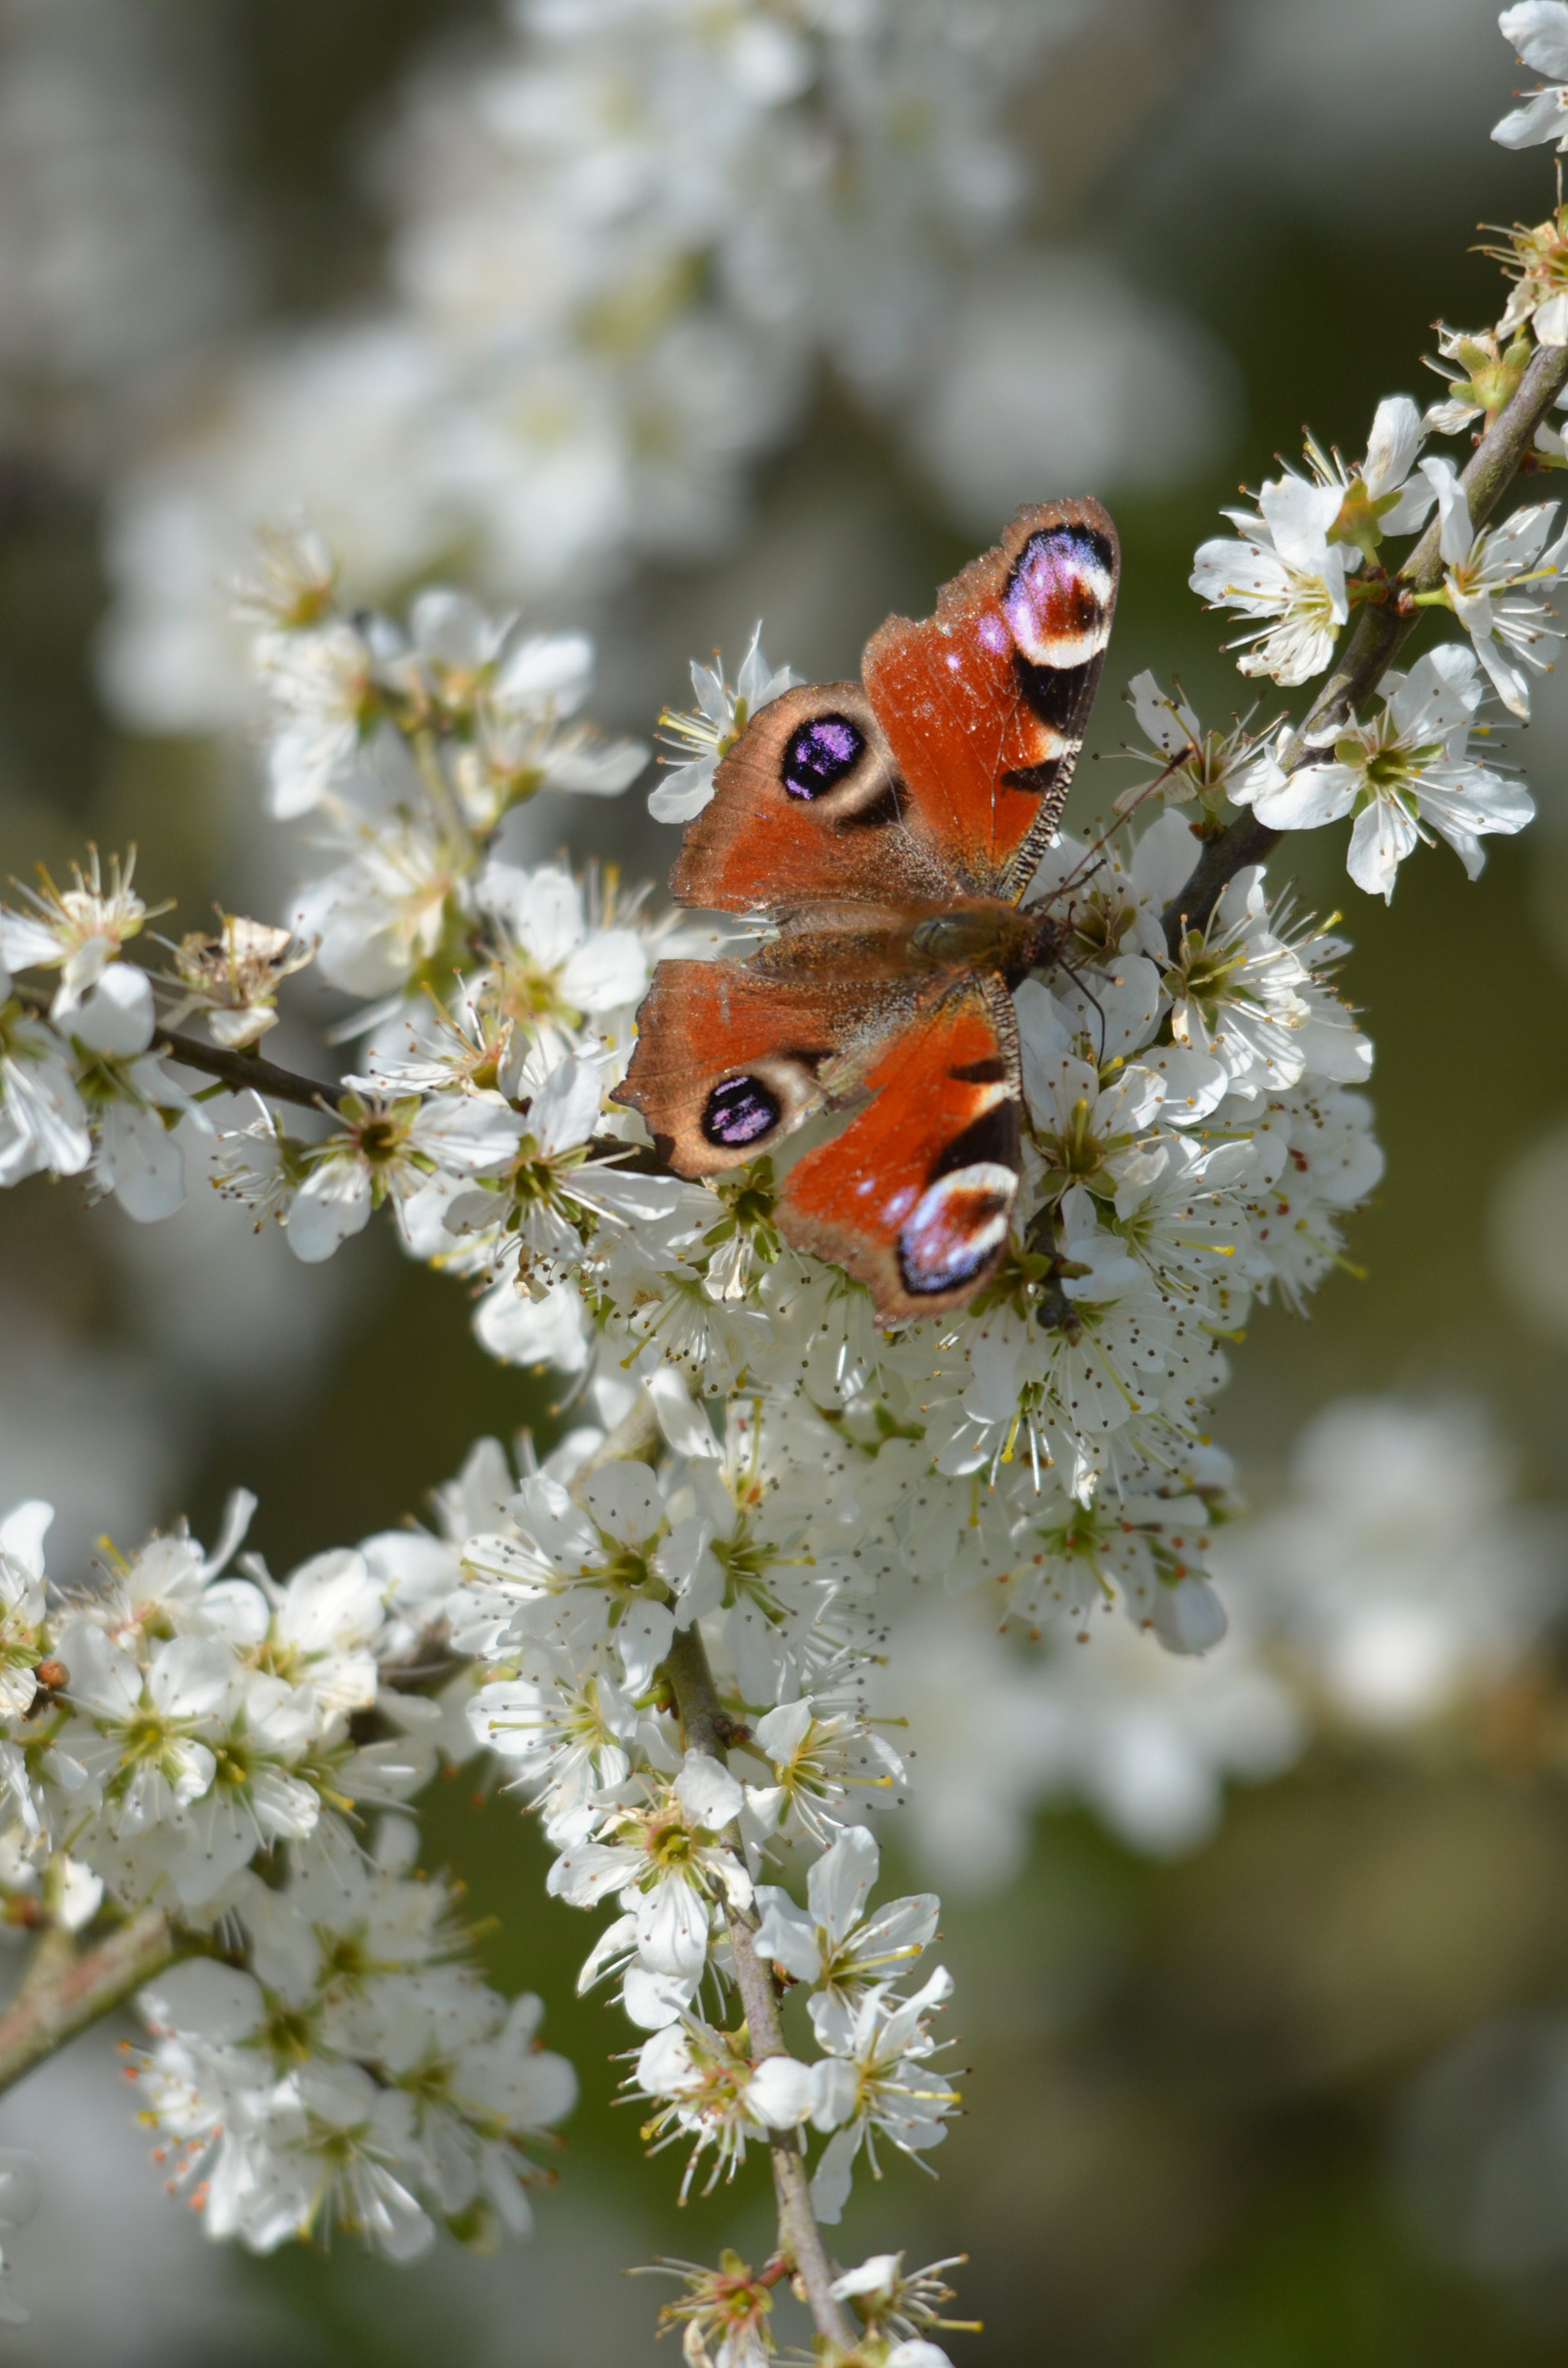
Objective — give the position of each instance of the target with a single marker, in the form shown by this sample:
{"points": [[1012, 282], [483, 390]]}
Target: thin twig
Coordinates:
{"points": [[1380, 632], [44, 2018], [248, 1071], [706, 1727]]}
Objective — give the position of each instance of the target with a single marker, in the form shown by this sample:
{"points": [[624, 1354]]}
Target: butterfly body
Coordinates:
{"points": [[884, 834]]}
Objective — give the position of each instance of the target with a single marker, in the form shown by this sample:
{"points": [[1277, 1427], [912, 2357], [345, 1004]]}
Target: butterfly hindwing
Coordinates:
{"points": [[807, 806], [729, 1060], [915, 1197], [983, 706]]}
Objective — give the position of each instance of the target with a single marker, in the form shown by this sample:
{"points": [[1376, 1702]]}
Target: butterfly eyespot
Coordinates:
{"points": [[1059, 596], [740, 1111], [956, 1229], [819, 754]]}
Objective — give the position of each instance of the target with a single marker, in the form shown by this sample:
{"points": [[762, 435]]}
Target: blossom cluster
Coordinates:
{"points": [[677, 1634], [183, 1738], [624, 238]]}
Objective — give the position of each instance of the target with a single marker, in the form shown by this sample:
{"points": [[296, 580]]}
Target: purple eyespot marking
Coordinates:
{"points": [[819, 755], [1058, 596], [739, 1112]]}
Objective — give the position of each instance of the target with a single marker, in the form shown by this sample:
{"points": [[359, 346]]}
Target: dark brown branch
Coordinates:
{"points": [[1380, 632], [248, 1071]]}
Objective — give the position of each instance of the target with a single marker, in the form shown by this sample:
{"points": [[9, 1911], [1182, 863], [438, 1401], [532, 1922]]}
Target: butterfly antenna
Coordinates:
{"points": [[1096, 846], [1090, 996]]}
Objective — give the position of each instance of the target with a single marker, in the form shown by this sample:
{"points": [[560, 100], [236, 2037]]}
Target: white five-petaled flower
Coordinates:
{"points": [[719, 2095], [877, 2080], [831, 1943], [669, 1864], [723, 716], [78, 931], [1283, 575], [613, 1571], [322, 683], [389, 1150], [1402, 774], [1385, 495], [1191, 764], [827, 1766], [522, 703], [132, 1103], [1488, 579], [568, 1737]]}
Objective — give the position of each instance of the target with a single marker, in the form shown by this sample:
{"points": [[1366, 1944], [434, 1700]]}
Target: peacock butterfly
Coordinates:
{"points": [[885, 832]]}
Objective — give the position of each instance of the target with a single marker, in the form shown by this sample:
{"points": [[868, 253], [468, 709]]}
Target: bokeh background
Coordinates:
{"points": [[1263, 1970]]}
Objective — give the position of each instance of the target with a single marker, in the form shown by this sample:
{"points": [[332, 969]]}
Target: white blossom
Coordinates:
{"points": [[1539, 31]]}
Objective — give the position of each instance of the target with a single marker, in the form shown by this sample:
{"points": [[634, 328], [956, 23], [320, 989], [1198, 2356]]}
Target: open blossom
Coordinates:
{"points": [[77, 930], [391, 907], [569, 1735], [723, 715], [1191, 764], [831, 1943], [718, 2094], [615, 1571], [388, 1150], [523, 704], [561, 958], [1490, 578], [828, 1765], [321, 683], [127, 1095], [1539, 31], [669, 1865], [1385, 495], [43, 1123], [1283, 575], [878, 2081], [1406, 773]]}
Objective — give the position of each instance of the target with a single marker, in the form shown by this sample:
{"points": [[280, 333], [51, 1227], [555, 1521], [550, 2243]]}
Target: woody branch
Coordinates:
{"points": [[1380, 632]]}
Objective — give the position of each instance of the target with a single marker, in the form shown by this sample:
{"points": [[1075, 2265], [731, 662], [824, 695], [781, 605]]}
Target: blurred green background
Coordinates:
{"points": [[1187, 2080]]}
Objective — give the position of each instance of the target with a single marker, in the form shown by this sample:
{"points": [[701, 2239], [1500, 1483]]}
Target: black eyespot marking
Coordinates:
{"points": [[1039, 781], [819, 754], [740, 1111], [1056, 693], [993, 1138], [989, 1072]]}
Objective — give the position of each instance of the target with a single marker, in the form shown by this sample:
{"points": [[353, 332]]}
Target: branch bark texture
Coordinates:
{"points": [[1380, 632], [48, 2014]]}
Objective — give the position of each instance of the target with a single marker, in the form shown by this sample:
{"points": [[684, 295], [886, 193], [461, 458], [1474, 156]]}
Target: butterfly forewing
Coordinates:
{"points": [[984, 705]]}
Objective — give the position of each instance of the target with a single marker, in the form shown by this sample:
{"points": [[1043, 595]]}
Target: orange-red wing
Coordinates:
{"points": [[984, 705], [807, 806], [915, 1197], [729, 1060]]}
